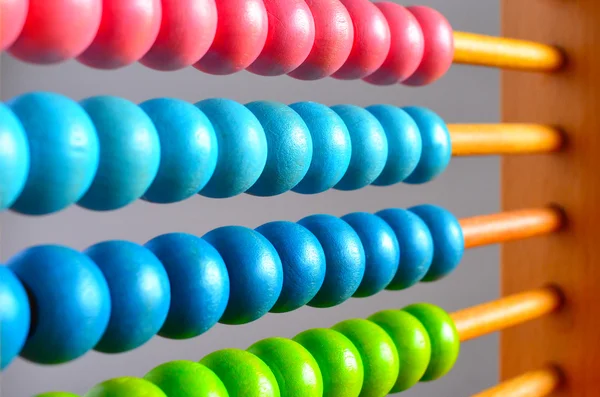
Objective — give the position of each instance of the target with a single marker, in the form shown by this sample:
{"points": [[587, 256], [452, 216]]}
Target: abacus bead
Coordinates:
{"points": [[242, 373], [445, 341], [332, 147], [416, 247], [242, 145], [302, 260], [12, 19], [371, 40], [64, 152], [295, 369], [404, 143], [56, 394], [188, 150], [406, 49], [139, 291], [199, 284], [412, 344], [290, 38], [369, 147], [56, 31], [437, 146], [15, 316], [242, 27], [290, 148], [186, 379], [344, 259], [340, 363], [334, 36], [125, 387], [70, 302], [14, 157], [255, 272], [448, 240], [129, 153], [439, 46]]}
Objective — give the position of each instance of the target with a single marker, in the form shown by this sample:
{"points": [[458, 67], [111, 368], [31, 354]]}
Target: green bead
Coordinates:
{"points": [[445, 342], [412, 343], [125, 387], [295, 369], [377, 352], [338, 359], [186, 379], [242, 373], [56, 394]]}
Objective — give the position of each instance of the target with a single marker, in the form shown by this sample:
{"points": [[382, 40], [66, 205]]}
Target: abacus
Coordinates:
{"points": [[105, 152]]}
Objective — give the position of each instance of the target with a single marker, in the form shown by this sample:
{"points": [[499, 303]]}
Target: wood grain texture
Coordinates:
{"points": [[540, 383]]}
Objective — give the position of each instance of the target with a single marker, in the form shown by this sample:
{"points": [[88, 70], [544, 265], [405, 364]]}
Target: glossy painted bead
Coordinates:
{"points": [[55, 31], [242, 28], [188, 150], [290, 148], [14, 157], [125, 387], [295, 369], [242, 373], [70, 302], [139, 291], [412, 344], [127, 31], [369, 147], [290, 38], [199, 284], [15, 316], [332, 147], [186, 33], [64, 152], [437, 146], [255, 272], [371, 40], [334, 37], [445, 341], [242, 147], [404, 143], [416, 247], [12, 19], [56, 394], [186, 379], [340, 363], [302, 260], [378, 355], [448, 240], [129, 153]]}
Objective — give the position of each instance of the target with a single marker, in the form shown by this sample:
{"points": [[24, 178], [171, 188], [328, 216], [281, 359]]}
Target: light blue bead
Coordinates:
{"points": [[188, 150], [290, 148], [332, 147], [242, 148], [15, 316], [14, 157], [369, 147], [404, 143], [64, 152]]}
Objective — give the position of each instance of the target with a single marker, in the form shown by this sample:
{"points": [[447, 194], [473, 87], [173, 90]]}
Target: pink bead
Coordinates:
{"points": [[406, 50], [334, 36], [127, 31], [187, 31], [289, 41], [439, 46], [371, 40], [241, 35], [12, 19], [57, 30]]}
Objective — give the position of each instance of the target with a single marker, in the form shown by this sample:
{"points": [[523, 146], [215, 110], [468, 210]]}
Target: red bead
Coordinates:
{"points": [[289, 41], [187, 31], [334, 36], [371, 40], [439, 46], [12, 19], [241, 35], [127, 31], [407, 46], [57, 30]]}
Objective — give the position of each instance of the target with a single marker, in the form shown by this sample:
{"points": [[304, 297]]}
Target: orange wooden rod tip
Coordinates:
{"points": [[539, 383]]}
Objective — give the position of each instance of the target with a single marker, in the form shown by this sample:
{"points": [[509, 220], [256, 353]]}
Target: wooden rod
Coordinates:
{"points": [[500, 52], [539, 383]]}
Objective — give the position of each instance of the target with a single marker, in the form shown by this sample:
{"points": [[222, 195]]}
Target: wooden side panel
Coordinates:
{"points": [[571, 259]]}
